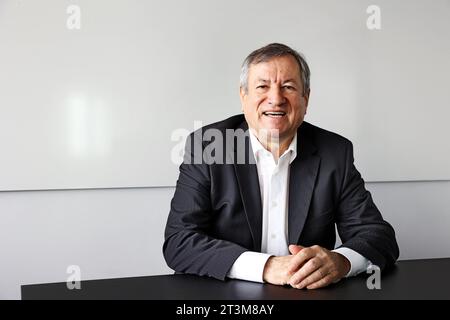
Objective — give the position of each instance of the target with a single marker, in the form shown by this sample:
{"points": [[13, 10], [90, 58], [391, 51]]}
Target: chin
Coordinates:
{"points": [[274, 132]]}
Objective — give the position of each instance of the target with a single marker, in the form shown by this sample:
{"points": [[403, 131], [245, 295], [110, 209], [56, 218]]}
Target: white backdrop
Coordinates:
{"points": [[96, 107]]}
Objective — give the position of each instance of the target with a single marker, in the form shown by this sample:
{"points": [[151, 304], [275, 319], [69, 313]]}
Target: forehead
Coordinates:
{"points": [[285, 67]]}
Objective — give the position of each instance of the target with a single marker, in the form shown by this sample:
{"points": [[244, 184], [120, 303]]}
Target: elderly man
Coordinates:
{"points": [[273, 219]]}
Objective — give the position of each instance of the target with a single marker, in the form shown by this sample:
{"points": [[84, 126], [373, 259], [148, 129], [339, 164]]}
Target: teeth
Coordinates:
{"points": [[270, 113]]}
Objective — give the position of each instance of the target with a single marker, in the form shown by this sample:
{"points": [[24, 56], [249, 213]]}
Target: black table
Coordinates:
{"points": [[412, 279]]}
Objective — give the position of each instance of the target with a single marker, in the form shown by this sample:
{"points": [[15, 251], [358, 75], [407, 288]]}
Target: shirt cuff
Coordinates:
{"points": [[249, 266], [358, 263]]}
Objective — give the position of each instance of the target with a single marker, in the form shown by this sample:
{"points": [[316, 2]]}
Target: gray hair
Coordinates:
{"points": [[270, 51]]}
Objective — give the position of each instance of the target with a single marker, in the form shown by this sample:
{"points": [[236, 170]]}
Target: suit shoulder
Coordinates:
{"points": [[324, 138], [220, 127], [233, 122]]}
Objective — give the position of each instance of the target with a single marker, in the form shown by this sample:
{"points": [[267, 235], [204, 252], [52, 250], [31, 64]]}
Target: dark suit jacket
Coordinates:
{"points": [[216, 211]]}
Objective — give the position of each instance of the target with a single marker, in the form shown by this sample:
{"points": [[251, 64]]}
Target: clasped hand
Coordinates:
{"points": [[307, 267]]}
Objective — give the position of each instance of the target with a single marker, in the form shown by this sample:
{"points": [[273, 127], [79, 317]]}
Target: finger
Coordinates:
{"points": [[294, 249], [308, 269], [300, 259], [315, 276], [322, 282]]}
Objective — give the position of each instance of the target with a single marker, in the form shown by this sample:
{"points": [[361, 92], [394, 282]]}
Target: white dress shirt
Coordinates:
{"points": [[274, 187]]}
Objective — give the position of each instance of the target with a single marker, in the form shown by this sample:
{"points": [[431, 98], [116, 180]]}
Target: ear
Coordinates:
{"points": [[242, 96], [306, 97]]}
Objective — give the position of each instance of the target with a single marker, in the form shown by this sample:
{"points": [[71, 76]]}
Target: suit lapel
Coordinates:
{"points": [[247, 177], [303, 173]]}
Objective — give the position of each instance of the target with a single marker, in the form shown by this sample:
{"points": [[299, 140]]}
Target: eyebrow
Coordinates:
{"points": [[290, 80], [285, 81]]}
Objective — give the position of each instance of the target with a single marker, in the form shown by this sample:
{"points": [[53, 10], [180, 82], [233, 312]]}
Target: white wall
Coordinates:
{"points": [[110, 95], [119, 232]]}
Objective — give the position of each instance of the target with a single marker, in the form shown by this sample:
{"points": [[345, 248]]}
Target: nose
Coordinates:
{"points": [[275, 96]]}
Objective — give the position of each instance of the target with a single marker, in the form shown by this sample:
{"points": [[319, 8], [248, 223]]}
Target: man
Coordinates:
{"points": [[273, 219]]}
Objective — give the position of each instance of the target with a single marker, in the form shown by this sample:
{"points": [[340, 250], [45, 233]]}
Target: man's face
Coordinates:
{"points": [[275, 100]]}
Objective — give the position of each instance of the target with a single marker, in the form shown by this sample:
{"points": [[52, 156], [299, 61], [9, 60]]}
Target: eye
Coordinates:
{"points": [[262, 86], [290, 88]]}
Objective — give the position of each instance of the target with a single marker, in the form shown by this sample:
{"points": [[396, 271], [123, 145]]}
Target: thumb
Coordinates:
{"points": [[294, 249]]}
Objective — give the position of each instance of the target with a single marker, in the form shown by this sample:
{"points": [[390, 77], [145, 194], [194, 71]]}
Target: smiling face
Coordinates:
{"points": [[275, 101]]}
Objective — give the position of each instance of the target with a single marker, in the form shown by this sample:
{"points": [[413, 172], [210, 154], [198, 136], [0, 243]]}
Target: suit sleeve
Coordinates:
{"points": [[188, 246], [359, 222]]}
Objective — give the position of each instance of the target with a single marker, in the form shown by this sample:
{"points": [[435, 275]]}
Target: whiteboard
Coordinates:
{"points": [[96, 107]]}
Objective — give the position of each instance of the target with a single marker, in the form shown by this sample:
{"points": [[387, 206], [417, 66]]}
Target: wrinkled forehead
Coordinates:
{"points": [[275, 69]]}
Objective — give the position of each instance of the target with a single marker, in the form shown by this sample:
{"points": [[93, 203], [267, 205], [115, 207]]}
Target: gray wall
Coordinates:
{"points": [[119, 232]]}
